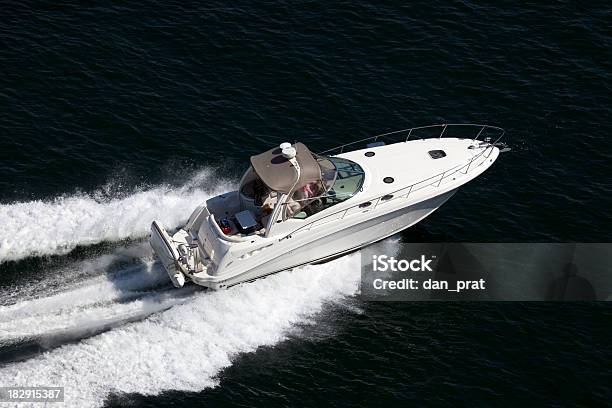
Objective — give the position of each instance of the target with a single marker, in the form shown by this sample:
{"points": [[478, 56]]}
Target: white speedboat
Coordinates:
{"points": [[295, 207]]}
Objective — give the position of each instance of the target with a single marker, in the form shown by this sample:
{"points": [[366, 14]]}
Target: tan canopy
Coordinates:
{"points": [[278, 173]]}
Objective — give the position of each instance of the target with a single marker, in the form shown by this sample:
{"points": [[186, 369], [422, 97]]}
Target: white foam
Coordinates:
{"points": [[101, 299], [121, 265], [181, 348], [185, 347], [56, 227]]}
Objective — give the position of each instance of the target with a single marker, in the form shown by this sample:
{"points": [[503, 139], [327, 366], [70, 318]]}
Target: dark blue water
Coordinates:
{"points": [[112, 116]]}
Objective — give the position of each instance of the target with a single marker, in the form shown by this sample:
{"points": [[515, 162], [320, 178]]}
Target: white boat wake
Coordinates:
{"points": [[58, 226], [182, 348], [123, 329], [97, 299]]}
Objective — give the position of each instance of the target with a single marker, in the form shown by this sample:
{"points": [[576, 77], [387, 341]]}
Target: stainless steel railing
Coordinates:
{"points": [[446, 131]]}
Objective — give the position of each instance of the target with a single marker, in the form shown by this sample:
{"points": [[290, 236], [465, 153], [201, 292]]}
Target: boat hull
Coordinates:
{"points": [[341, 241]]}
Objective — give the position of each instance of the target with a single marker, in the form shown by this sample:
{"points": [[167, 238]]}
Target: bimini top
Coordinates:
{"points": [[278, 173]]}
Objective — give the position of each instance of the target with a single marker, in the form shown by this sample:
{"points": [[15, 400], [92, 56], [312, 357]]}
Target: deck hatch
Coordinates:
{"points": [[437, 154]]}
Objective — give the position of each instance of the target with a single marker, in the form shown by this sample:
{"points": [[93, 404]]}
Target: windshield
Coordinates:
{"points": [[347, 178], [340, 180]]}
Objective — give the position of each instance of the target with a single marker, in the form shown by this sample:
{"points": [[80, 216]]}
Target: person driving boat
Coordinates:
{"points": [[303, 198]]}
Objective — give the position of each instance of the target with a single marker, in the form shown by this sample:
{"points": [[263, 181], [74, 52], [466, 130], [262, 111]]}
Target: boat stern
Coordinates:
{"points": [[181, 255]]}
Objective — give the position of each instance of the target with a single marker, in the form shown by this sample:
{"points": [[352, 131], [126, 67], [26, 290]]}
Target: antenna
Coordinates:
{"points": [[289, 152]]}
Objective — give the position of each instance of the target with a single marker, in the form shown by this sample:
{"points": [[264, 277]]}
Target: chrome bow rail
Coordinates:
{"points": [[434, 181], [425, 132]]}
